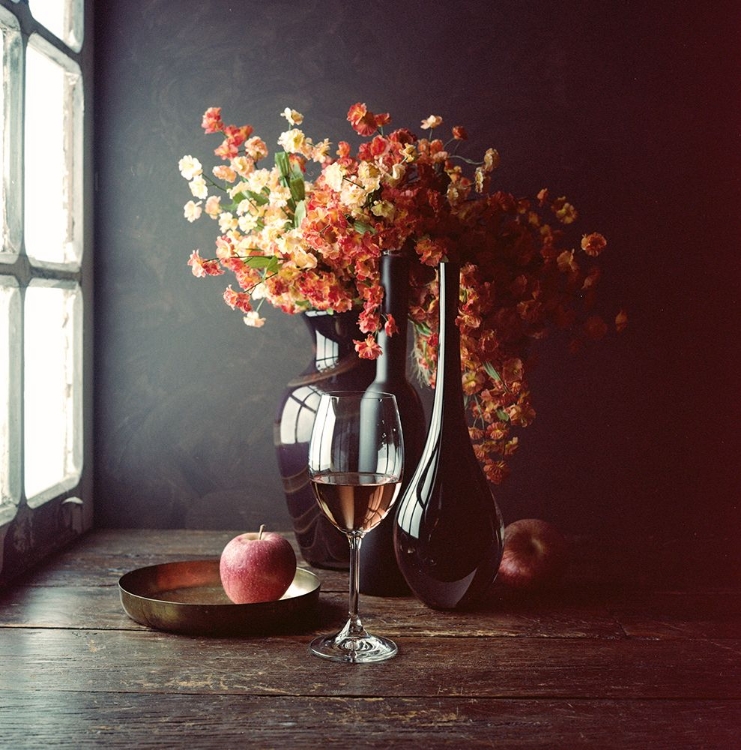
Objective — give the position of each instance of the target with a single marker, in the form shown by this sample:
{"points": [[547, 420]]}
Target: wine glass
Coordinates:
{"points": [[355, 465]]}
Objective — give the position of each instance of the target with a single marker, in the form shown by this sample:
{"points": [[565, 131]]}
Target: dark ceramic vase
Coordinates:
{"points": [[448, 533], [334, 366]]}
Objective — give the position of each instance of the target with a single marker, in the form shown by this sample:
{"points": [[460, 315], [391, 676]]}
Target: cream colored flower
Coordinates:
{"points": [[334, 177], [353, 196], [293, 117], [279, 196], [248, 223], [256, 148], [243, 165], [292, 141], [258, 180], [192, 211], [431, 122], [198, 187], [320, 152], [395, 175], [409, 153], [369, 176], [383, 209], [491, 160], [223, 172], [190, 167], [259, 292], [253, 319], [227, 222], [213, 206]]}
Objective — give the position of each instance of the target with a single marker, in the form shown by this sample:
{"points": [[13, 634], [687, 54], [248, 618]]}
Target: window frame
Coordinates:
{"points": [[31, 531]]}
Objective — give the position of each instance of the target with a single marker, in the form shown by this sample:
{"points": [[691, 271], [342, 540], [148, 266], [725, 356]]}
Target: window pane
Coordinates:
{"points": [[10, 107], [9, 400], [62, 17], [52, 167], [52, 386]]}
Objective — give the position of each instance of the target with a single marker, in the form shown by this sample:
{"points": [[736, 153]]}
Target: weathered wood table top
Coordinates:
{"points": [[586, 667]]}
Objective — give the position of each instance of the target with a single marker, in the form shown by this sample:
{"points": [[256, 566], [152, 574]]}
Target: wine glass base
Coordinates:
{"points": [[354, 649]]}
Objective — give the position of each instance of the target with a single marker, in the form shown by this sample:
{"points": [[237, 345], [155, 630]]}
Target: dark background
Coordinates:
{"points": [[629, 108]]}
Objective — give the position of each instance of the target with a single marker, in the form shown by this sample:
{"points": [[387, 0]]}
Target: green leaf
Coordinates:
{"points": [[259, 199], [492, 373], [261, 261], [300, 213], [297, 188], [283, 164], [362, 227]]}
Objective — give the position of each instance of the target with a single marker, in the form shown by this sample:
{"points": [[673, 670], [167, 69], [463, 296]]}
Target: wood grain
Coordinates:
{"points": [[150, 662], [125, 720], [583, 666]]}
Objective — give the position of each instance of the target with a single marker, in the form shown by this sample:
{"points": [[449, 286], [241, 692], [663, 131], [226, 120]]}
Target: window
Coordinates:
{"points": [[45, 280]]}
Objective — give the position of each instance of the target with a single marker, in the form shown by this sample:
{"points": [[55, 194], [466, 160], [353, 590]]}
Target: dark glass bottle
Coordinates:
{"points": [[379, 572], [449, 532], [335, 366]]}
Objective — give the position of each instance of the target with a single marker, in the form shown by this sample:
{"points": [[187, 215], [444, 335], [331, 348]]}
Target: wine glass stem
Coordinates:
{"points": [[354, 624]]}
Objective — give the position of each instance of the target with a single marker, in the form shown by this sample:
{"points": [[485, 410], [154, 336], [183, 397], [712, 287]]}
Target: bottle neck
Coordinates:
{"points": [[448, 386], [391, 364]]}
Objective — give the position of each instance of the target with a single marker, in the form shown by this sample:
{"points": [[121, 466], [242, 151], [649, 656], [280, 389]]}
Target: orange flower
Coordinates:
{"points": [[593, 244], [201, 267], [368, 348], [390, 328], [313, 243], [212, 122], [363, 121]]}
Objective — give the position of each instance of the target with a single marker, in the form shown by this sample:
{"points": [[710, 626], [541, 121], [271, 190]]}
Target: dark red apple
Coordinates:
{"points": [[535, 555], [257, 567]]}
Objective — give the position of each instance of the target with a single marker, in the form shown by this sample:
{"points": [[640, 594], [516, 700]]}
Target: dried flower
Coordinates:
{"points": [[308, 231]]}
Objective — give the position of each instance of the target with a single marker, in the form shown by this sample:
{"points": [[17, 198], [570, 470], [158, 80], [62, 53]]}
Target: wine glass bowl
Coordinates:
{"points": [[355, 466]]}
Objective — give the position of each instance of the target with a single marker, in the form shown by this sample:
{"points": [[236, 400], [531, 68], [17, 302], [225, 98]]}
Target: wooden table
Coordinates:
{"points": [[587, 667]]}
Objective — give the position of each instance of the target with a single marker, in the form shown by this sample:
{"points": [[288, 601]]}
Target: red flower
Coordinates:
{"points": [[390, 326], [368, 348], [363, 121], [212, 122], [202, 267], [593, 244]]}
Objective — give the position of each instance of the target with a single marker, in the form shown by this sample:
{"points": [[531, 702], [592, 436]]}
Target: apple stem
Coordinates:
{"points": [[259, 535]]}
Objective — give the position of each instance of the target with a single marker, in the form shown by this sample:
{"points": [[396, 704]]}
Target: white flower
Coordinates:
{"points": [[383, 208], [292, 141], [198, 187], [227, 222], [192, 211], [190, 167], [247, 223], [395, 175], [259, 292], [431, 122], [213, 206], [279, 196], [369, 176], [293, 117], [333, 176], [253, 319]]}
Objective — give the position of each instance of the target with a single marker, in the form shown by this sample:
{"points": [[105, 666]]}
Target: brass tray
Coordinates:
{"points": [[187, 597]]}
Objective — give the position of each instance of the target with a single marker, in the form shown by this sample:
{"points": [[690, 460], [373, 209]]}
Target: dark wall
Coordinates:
{"points": [[629, 108]]}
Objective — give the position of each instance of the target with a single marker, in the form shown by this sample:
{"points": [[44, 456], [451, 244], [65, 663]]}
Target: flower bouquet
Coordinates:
{"points": [[307, 233]]}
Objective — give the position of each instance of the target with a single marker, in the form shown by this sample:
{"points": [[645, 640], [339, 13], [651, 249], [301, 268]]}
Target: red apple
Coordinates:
{"points": [[535, 555], [257, 567]]}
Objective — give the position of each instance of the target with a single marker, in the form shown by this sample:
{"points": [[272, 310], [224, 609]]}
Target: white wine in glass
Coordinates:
{"points": [[356, 457]]}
